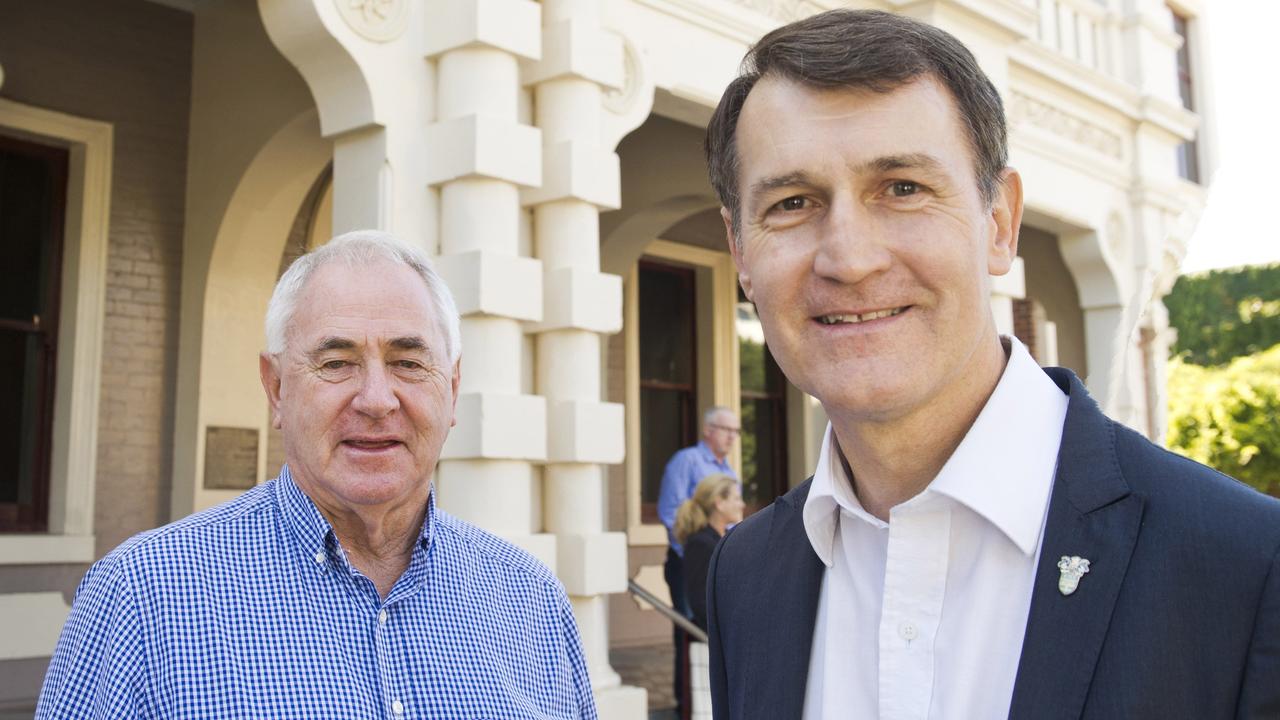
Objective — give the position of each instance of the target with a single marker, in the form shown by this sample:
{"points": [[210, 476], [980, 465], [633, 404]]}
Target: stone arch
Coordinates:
{"points": [[624, 245], [1102, 294], [239, 278]]}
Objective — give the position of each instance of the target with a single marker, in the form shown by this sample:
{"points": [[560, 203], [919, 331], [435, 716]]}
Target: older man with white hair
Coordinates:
{"points": [[338, 589]]}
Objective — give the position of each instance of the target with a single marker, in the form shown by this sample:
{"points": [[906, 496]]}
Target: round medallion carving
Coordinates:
{"points": [[376, 20], [619, 100]]}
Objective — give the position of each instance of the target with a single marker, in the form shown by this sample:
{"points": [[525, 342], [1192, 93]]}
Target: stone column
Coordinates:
{"points": [[1004, 290], [480, 157], [580, 304]]}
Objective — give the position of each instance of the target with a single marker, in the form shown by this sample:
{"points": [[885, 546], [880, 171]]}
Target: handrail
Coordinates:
{"points": [[694, 631]]}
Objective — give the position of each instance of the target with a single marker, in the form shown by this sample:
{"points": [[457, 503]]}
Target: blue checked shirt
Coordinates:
{"points": [[251, 610]]}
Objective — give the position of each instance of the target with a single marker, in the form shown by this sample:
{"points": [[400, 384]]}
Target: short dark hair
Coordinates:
{"points": [[862, 49]]}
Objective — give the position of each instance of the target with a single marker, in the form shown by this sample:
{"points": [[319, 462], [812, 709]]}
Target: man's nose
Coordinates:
{"points": [[376, 398], [853, 245]]}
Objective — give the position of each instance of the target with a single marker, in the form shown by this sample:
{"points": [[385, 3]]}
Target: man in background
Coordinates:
{"points": [[720, 429]]}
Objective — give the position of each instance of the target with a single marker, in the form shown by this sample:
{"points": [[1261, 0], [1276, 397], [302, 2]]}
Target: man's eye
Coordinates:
{"points": [[334, 365], [792, 204], [408, 364], [904, 188]]}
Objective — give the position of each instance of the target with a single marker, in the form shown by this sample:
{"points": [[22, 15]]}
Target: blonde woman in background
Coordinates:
{"points": [[700, 523]]}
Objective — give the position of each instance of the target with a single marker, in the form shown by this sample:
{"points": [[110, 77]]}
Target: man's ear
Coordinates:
{"points": [[455, 383], [269, 371], [1006, 220], [735, 249]]}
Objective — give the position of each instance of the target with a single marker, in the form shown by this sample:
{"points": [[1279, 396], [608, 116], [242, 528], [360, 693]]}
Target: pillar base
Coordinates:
{"points": [[622, 702]]}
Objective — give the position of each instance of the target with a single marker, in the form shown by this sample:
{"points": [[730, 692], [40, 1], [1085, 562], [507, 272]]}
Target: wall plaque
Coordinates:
{"points": [[230, 458]]}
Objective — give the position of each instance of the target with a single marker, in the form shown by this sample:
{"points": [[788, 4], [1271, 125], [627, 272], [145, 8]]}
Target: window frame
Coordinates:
{"points": [[718, 366], [73, 458], [45, 327]]}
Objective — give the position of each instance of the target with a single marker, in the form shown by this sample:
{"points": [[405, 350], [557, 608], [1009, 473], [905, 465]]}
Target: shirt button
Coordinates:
{"points": [[908, 631], [397, 707], [382, 616], [319, 558]]}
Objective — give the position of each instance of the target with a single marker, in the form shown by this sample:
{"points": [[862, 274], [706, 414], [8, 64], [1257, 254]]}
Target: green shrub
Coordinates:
{"points": [[1226, 417], [1224, 314]]}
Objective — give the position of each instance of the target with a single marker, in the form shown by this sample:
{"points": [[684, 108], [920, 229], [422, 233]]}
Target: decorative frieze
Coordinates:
{"points": [[784, 10], [1026, 109]]}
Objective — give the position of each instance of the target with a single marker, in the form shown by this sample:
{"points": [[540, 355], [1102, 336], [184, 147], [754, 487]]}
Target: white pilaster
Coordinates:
{"points": [[1004, 290], [579, 178], [480, 157]]}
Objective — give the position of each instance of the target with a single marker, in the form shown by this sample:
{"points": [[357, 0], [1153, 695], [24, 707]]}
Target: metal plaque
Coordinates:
{"points": [[230, 458]]}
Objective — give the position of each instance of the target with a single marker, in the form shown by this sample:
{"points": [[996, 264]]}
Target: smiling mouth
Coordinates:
{"points": [[370, 444], [864, 317]]}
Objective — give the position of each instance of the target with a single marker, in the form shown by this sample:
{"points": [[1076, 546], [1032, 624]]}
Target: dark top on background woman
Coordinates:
{"points": [[700, 523], [697, 556]]}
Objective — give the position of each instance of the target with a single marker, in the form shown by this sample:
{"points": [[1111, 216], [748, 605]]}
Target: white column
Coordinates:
{"points": [[580, 177], [1004, 290], [479, 158]]}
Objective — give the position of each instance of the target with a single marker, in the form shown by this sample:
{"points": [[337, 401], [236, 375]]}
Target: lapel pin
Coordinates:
{"points": [[1073, 568]]}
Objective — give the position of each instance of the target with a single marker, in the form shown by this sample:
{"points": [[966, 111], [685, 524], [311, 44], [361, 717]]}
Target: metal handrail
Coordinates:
{"points": [[694, 631]]}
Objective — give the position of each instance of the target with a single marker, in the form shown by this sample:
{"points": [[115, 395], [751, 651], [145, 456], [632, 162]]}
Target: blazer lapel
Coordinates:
{"points": [[1091, 515], [788, 605]]}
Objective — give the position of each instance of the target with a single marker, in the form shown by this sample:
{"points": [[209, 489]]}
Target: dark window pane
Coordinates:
{"points": [[21, 380], [1188, 152], [32, 197], [751, 350], [666, 324], [764, 414], [1189, 161], [27, 195], [664, 415], [763, 451], [668, 377]]}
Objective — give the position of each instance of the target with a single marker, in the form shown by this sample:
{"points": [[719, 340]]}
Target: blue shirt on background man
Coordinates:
{"points": [[683, 472]]}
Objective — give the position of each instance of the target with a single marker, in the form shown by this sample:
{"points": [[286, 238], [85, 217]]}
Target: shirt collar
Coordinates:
{"points": [[1003, 468], [311, 527], [710, 456]]}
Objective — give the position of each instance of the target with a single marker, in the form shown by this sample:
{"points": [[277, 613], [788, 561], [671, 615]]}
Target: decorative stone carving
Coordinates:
{"points": [[784, 10], [618, 100], [376, 20], [627, 106], [1023, 108]]}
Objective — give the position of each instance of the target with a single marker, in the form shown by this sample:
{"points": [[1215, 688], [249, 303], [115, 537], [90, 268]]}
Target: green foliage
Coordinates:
{"points": [[1225, 417], [1225, 314]]}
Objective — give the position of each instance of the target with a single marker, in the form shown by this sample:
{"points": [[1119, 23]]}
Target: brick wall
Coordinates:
{"points": [[128, 63], [1024, 325]]}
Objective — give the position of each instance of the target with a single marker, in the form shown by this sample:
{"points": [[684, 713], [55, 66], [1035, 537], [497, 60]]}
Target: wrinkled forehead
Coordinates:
{"points": [[365, 303]]}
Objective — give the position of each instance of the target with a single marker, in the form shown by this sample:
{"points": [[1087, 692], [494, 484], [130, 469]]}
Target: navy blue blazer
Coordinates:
{"points": [[1179, 616]]}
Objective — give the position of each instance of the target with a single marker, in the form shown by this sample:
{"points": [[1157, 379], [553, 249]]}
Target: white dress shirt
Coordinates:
{"points": [[922, 617]]}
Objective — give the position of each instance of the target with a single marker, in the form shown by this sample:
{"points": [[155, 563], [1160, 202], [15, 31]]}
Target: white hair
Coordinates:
{"points": [[358, 249], [709, 417]]}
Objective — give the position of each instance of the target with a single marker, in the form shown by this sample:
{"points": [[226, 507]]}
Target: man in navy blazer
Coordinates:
{"points": [[978, 539]]}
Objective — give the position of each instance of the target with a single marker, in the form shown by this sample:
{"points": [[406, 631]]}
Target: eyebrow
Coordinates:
{"points": [[767, 184], [408, 342], [412, 342], [889, 163], [333, 343]]}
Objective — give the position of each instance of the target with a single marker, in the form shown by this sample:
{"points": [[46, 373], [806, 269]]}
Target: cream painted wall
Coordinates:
{"points": [[1049, 281], [243, 94]]}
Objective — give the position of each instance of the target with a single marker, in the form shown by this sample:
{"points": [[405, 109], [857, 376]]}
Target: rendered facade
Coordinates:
{"points": [[549, 155]]}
